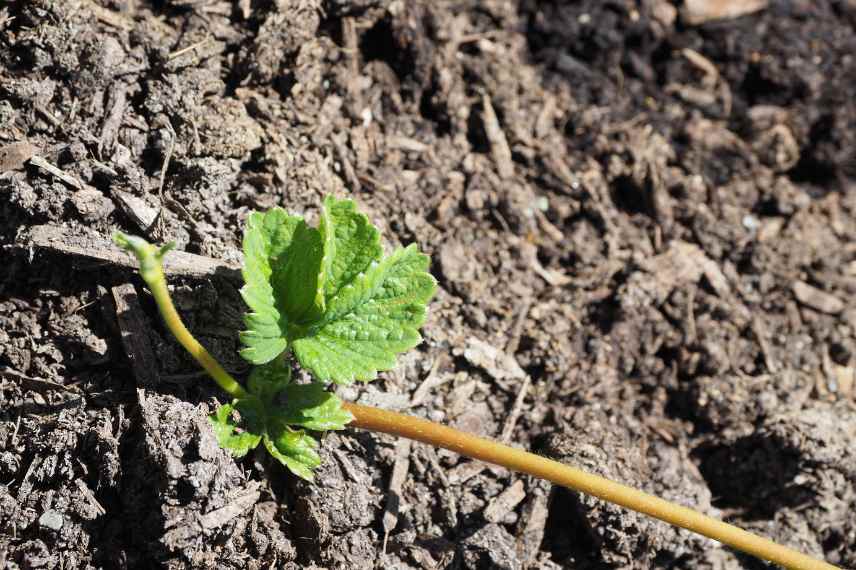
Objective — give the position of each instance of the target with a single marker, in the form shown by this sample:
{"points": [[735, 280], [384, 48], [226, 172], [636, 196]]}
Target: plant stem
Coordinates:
{"points": [[187, 340], [151, 270], [411, 427]]}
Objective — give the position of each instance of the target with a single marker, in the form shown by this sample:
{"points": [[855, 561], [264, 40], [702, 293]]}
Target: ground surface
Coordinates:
{"points": [[655, 220]]}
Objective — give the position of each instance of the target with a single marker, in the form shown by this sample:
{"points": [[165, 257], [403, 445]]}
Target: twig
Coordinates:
{"points": [[431, 381], [14, 438], [189, 48], [692, 332], [496, 137], [109, 17], [431, 455], [514, 414], [169, 148], [517, 329], [470, 38], [47, 115], [50, 168], [761, 335], [90, 496], [36, 384]]}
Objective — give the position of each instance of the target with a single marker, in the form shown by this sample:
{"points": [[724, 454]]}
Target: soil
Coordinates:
{"points": [[643, 222]]}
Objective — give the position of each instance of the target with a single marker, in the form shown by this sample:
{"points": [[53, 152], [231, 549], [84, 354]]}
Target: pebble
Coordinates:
{"points": [[51, 519]]}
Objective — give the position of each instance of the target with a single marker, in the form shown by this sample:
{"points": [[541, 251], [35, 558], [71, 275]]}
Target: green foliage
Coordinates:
{"points": [[276, 412], [329, 295]]}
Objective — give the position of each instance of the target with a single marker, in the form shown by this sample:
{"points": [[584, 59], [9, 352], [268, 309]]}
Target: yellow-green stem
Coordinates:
{"points": [[187, 340], [411, 427], [151, 270]]}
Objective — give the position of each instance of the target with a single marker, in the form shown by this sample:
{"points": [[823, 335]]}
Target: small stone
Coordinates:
{"points": [[817, 299], [51, 520], [92, 204]]}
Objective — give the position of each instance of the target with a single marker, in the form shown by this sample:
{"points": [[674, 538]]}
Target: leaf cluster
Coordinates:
{"points": [[330, 297]]}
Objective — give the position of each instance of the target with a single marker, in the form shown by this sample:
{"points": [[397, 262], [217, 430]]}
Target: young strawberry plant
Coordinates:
{"points": [[329, 299]]}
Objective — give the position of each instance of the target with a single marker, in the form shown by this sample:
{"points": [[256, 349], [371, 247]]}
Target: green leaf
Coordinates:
{"points": [[307, 405], [267, 380], [264, 339], [229, 432], [371, 319], [282, 261], [329, 294], [312, 407], [270, 410], [295, 450], [351, 244], [296, 273]]}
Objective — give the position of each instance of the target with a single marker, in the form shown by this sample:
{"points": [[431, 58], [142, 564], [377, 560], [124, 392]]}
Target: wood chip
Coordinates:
{"points": [[496, 137], [246, 7], [505, 502], [118, 98], [25, 487], [683, 264], [817, 299], [697, 12], [533, 521], [396, 482], [72, 241], [845, 378], [465, 471], [492, 360], [141, 213], [133, 328], [109, 17], [239, 505], [14, 156], [406, 144]]}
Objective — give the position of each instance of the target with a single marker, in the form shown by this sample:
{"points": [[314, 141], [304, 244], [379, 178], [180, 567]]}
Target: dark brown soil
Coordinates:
{"points": [[647, 225]]}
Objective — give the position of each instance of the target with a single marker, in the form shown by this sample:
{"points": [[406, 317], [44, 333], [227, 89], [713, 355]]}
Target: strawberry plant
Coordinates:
{"points": [[329, 299]]}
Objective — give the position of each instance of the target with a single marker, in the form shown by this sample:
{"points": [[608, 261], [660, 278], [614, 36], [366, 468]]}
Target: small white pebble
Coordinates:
{"points": [[751, 223]]}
